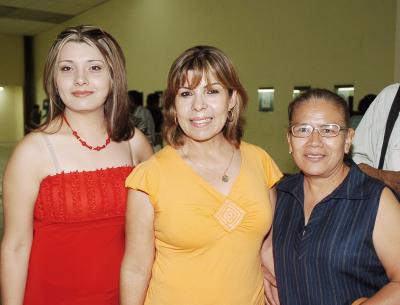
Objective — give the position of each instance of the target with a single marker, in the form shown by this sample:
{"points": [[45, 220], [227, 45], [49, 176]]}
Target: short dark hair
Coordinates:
{"points": [[153, 100], [203, 61], [365, 102], [136, 97], [320, 94]]}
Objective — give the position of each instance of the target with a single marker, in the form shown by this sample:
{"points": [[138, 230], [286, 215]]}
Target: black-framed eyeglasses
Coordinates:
{"points": [[325, 130]]}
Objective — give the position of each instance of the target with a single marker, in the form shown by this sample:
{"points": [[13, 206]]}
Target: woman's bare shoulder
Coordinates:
{"points": [[30, 155], [140, 147]]}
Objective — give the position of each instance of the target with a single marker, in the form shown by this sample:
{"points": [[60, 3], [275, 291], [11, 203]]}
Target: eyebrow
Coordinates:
{"points": [[214, 83], [207, 85], [71, 61]]}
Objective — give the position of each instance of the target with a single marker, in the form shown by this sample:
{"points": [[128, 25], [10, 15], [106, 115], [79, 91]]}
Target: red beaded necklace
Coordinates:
{"points": [[76, 135]]}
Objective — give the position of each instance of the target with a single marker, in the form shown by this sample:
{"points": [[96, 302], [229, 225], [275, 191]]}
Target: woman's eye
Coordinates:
{"points": [[65, 68], [212, 91], [95, 68], [327, 130], [185, 93]]}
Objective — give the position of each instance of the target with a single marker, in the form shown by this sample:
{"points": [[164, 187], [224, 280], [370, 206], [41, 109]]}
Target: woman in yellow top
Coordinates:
{"points": [[199, 210]]}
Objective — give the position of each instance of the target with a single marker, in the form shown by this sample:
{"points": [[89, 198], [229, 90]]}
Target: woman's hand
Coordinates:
{"points": [[270, 288], [359, 301]]}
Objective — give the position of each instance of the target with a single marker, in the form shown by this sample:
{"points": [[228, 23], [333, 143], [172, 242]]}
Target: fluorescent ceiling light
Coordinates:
{"points": [[346, 89]]}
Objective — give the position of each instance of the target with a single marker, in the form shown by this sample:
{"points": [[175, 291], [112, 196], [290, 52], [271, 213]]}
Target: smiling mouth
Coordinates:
{"points": [[201, 121], [315, 157], [82, 93]]}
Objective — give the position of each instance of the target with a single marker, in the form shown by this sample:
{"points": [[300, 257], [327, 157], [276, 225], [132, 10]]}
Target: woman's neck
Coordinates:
{"points": [[215, 147], [87, 123], [319, 187]]}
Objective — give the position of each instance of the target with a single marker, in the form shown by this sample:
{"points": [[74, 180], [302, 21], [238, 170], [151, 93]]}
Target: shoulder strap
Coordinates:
{"points": [[392, 117], [52, 153], [130, 152]]}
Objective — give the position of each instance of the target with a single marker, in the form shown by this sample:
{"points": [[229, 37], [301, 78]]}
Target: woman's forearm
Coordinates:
{"points": [[14, 270], [388, 295], [134, 284]]}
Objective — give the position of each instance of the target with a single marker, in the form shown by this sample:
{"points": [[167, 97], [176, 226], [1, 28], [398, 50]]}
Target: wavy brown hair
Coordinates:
{"points": [[203, 61], [119, 125]]}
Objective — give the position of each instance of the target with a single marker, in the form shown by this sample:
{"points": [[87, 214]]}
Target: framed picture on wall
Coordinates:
{"points": [[345, 91], [266, 99], [297, 90]]}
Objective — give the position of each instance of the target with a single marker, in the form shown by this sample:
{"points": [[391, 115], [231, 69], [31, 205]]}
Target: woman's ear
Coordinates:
{"points": [[348, 140], [232, 100], [289, 142]]}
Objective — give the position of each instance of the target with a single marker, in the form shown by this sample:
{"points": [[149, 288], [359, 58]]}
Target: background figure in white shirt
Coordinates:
{"points": [[368, 140], [144, 119]]}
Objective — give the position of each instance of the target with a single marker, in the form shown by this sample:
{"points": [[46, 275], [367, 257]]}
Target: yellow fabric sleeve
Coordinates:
{"points": [[145, 178], [272, 171]]}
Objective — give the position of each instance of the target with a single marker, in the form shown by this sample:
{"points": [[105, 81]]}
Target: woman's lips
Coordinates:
{"points": [[201, 121], [314, 157], [82, 93]]}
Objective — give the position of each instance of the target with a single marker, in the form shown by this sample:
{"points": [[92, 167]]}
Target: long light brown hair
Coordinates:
{"points": [[119, 125], [203, 61]]}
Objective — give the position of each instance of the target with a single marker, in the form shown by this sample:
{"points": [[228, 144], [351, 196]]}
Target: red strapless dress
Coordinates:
{"points": [[78, 239]]}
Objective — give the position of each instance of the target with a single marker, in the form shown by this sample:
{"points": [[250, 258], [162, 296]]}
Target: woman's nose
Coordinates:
{"points": [[80, 78], [199, 102], [315, 138]]}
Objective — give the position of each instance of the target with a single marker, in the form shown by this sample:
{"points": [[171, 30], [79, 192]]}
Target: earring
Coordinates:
{"points": [[230, 116], [290, 152]]}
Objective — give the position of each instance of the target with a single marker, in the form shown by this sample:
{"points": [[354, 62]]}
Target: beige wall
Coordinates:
{"points": [[11, 114], [397, 45], [11, 60], [12, 79], [279, 43]]}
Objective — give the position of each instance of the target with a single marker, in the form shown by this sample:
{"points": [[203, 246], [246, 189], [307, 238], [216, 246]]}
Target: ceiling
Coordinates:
{"points": [[30, 17]]}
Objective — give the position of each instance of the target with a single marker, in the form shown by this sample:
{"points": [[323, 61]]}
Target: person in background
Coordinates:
{"points": [[362, 108], [335, 231], [35, 116], [144, 119], [368, 140], [199, 210], [64, 195], [153, 105], [45, 107]]}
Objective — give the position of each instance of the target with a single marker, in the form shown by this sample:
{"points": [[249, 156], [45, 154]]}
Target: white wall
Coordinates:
{"points": [[11, 114]]}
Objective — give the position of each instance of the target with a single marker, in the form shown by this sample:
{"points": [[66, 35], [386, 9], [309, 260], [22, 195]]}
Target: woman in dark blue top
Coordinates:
{"points": [[335, 233]]}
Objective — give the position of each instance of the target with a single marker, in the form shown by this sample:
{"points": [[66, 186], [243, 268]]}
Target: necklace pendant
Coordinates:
{"points": [[225, 178]]}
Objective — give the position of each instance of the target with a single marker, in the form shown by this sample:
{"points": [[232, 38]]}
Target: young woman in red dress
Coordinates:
{"points": [[64, 194]]}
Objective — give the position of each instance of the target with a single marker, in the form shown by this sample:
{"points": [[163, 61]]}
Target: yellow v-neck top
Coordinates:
{"points": [[207, 244]]}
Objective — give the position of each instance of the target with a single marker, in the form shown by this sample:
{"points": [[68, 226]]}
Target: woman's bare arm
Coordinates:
{"points": [[139, 249], [386, 239], [22, 178]]}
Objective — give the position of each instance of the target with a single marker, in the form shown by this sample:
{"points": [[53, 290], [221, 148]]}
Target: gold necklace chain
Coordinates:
{"points": [[225, 177]]}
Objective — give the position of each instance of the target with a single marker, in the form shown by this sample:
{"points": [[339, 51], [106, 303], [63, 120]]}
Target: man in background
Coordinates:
{"points": [[368, 140]]}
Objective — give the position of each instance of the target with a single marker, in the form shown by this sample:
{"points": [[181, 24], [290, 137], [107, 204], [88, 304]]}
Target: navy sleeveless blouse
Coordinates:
{"points": [[332, 260]]}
